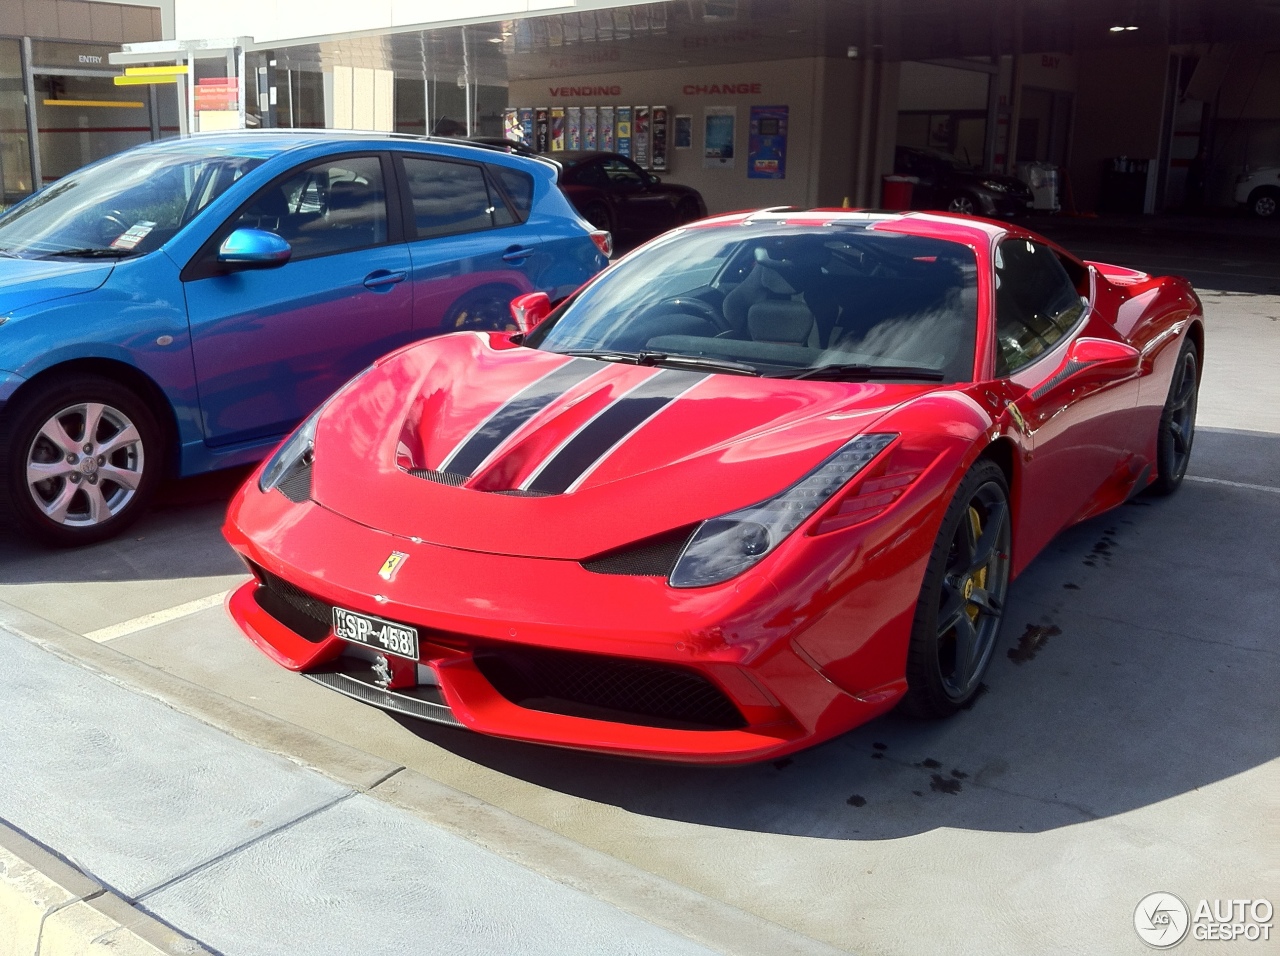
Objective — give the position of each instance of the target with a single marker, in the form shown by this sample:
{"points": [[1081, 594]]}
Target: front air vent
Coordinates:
{"points": [[439, 477], [607, 688], [296, 484], [652, 557], [307, 616]]}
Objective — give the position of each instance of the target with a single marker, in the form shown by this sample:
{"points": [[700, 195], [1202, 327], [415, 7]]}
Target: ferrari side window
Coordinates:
{"points": [[1036, 303]]}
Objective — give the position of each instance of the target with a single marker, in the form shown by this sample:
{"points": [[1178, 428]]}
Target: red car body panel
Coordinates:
{"points": [[808, 643]]}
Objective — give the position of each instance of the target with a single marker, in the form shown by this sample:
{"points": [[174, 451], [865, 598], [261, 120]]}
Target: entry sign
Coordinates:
{"points": [[767, 143]]}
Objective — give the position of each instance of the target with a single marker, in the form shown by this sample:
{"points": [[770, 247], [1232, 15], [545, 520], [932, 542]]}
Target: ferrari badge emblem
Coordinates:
{"points": [[392, 565], [382, 672]]}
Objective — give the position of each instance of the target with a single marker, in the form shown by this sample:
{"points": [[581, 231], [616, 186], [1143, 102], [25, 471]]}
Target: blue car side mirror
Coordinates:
{"points": [[254, 249]]}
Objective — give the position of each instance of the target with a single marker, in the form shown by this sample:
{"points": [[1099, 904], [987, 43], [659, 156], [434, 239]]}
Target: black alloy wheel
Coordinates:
{"points": [[957, 620], [1178, 422], [597, 213]]}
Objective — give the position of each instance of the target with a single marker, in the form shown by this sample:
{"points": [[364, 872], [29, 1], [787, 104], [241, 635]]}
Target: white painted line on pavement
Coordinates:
{"points": [[1234, 484], [104, 634]]}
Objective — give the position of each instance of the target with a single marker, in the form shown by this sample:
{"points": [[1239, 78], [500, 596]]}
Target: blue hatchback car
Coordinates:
{"points": [[179, 307]]}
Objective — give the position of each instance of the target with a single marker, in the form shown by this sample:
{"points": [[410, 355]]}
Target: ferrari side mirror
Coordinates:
{"points": [[1119, 355], [529, 309]]}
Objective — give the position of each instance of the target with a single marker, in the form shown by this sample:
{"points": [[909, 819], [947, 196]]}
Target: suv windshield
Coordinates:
{"points": [[784, 300], [126, 206]]}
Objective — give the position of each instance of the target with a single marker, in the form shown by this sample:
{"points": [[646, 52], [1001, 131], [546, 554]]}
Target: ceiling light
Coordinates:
{"points": [[1122, 29]]}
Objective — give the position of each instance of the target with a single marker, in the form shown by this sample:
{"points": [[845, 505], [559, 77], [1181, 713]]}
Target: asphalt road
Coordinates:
{"points": [[1128, 740]]}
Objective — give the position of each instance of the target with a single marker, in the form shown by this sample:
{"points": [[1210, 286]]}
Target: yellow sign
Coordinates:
{"points": [[155, 71], [142, 80], [118, 104]]}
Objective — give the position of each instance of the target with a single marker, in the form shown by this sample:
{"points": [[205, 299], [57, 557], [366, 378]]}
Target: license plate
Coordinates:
{"points": [[375, 632]]}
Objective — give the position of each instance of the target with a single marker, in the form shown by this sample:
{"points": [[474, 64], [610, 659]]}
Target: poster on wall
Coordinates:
{"points": [[511, 125], [659, 123], [573, 128], [605, 128], [557, 129], [526, 126], [718, 134], [684, 132], [767, 143], [588, 127], [622, 135], [640, 137], [542, 129]]}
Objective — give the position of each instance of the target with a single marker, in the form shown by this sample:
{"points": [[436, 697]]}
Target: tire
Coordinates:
{"points": [[686, 212], [484, 310], [1264, 202], [1177, 430], [957, 620], [98, 482], [598, 214], [962, 204]]}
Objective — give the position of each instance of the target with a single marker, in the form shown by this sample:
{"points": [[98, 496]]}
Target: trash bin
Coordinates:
{"points": [[896, 191]]}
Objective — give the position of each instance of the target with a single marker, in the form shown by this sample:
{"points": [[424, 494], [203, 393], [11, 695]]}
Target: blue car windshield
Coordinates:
{"points": [[126, 206], [786, 300]]}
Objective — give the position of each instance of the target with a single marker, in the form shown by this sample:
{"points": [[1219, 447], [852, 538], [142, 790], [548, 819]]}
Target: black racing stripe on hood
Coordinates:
{"points": [[526, 403], [618, 420]]}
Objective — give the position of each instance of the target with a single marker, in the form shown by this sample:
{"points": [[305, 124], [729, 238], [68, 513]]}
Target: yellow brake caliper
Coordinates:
{"points": [[979, 579]]}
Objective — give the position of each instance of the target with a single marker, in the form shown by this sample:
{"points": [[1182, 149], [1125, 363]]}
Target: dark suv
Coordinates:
{"points": [[947, 183]]}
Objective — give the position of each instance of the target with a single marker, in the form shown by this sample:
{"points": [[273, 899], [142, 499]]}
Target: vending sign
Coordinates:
{"points": [[640, 137], [622, 141], [767, 143], [659, 126]]}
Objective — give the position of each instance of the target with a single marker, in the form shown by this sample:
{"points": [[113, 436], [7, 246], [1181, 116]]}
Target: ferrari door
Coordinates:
{"points": [[1072, 389], [271, 344]]}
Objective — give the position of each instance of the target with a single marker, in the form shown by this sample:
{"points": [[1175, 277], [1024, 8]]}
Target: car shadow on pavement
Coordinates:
{"points": [[180, 537], [1137, 663]]}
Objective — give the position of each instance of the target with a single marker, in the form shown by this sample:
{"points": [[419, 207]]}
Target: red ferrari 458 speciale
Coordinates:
{"points": [[763, 479]]}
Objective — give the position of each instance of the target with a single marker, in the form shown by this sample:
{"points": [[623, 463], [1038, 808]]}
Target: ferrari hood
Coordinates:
{"points": [[470, 442]]}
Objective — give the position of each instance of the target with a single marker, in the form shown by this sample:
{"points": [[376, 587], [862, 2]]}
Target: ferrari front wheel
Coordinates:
{"points": [[1177, 422], [957, 619]]}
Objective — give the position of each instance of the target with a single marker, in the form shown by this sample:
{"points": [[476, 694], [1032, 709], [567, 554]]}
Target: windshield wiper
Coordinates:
{"points": [[862, 373], [665, 358], [88, 253]]}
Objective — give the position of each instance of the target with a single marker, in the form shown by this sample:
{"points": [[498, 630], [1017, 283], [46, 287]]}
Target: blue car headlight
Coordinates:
{"points": [[300, 446], [724, 547]]}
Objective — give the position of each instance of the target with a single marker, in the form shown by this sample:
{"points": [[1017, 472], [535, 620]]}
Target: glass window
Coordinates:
{"points": [[591, 174], [332, 206], [621, 173], [784, 300], [448, 198], [125, 206], [15, 156], [1036, 302], [518, 187]]}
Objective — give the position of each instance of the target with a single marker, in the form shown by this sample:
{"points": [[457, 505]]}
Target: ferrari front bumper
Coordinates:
{"points": [[473, 608]]}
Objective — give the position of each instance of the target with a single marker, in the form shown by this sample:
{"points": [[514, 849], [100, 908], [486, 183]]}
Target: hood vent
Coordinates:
{"points": [[439, 477], [652, 557]]}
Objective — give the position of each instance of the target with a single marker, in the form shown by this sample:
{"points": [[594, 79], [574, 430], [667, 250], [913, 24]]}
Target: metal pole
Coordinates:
{"points": [[153, 108], [33, 122], [240, 87], [192, 121], [466, 76]]}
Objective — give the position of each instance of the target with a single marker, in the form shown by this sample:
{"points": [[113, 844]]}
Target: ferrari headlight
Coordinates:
{"points": [[301, 444], [724, 547], [996, 186]]}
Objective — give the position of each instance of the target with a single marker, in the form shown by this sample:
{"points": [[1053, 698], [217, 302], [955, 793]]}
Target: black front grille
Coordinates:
{"points": [[654, 556], [306, 616], [296, 484], [607, 688]]}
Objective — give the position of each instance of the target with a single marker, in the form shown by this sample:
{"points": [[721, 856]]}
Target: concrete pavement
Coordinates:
{"points": [[1129, 739]]}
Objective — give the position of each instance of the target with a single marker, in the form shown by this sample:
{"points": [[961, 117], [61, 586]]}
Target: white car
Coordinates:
{"points": [[1259, 191]]}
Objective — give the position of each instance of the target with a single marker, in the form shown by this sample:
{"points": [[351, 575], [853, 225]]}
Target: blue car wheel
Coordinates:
{"points": [[80, 458]]}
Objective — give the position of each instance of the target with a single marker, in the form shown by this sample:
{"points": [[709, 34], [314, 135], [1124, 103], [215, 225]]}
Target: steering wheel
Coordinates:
{"points": [[698, 308], [113, 219]]}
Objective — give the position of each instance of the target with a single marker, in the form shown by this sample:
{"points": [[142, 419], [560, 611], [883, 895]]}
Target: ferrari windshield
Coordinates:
{"points": [[125, 206], [842, 300]]}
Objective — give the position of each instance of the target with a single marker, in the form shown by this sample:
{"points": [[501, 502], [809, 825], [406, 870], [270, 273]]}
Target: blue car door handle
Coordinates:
{"points": [[516, 254], [383, 279]]}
